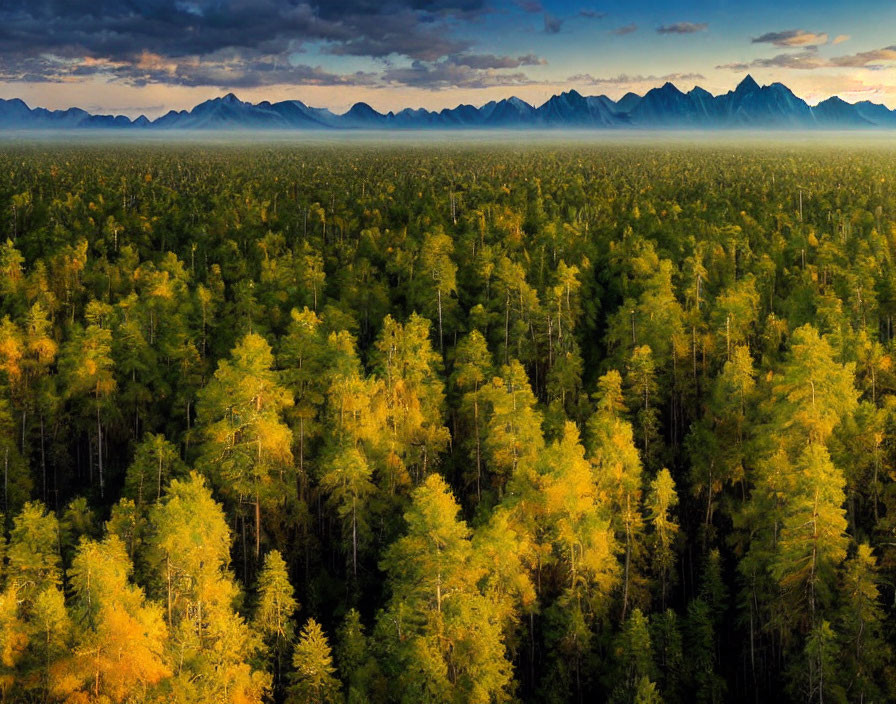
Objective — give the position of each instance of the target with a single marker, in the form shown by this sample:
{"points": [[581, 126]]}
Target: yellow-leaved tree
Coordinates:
{"points": [[247, 448]]}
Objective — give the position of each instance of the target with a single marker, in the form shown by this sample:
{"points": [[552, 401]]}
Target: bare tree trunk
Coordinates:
{"points": [[441, 343], [99, 447], [43, 457], [159, 490], [354, 541], [478, 448], [257, 527]]}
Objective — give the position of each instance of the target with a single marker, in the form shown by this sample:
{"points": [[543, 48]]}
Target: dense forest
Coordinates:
{"points": [[408, 423]]}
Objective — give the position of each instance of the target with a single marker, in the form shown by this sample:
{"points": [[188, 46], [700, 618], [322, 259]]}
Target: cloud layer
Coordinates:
{"points": [[810, 59], [221, 42]]}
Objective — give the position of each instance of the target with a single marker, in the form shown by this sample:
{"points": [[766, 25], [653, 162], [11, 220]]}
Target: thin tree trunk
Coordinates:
{"points": [[441, 343], [257, 527], [43, 457], [628, 560], [478, 447], [159, 489], [99, 447], [354, 542]]}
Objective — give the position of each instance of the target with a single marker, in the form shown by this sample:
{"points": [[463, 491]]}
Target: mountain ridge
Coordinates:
{"points": [[749, 105]]}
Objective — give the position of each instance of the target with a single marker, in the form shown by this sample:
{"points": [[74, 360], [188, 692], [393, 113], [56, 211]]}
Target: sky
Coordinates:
{"points": [[137, 57]]}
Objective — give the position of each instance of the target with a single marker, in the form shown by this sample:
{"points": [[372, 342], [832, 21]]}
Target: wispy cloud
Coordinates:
{"points": [[592, 14], [809, 59], [804, 60], [490, 61], [792, 38], [532, 6], [626, 79], [867, 59], [444, 75], [682, 28], [625, 29]]}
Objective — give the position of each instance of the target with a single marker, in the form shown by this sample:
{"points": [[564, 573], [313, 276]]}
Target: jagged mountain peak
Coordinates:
{"points": [[747, 85], [747, 106]]}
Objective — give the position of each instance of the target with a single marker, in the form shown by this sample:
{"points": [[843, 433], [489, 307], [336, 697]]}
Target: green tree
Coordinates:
{"points": [[16, 477], [274, 611], [33, 557], [210, 645], [441, 637], [617, 474], [701, 647], [50, 635], [357, 666], [472, 367], [248, 448], [87, 365], [661, 502], [640, 376], [313, 677], [119, 648], [156, 461], [513, 437], [347, 480], [304, 362], [634, 657], [813, 542], [439, 270], [413, 395], [864, 653], [577, 525]]}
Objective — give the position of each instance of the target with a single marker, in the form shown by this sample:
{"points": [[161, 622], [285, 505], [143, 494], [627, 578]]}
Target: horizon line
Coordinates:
{"points": [[231, 92]]}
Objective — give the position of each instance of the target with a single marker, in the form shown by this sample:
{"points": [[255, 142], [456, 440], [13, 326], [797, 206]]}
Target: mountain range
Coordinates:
{"points": [[747, 106]]}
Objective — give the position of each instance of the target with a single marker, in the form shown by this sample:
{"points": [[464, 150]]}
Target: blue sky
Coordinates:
{"points": [[146, 56]]}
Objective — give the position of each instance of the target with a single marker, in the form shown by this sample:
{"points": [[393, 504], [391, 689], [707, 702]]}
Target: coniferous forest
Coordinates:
{"points": [[369, 423]]}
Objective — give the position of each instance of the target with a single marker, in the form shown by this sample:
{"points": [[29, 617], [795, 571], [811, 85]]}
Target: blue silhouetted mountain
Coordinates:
{"points": [[627, 102], [835, 112], [876, 114], [775, 106], [461, 116], [510, 112], [15, 114], [748, 106], [570, 109], [361, 115], [296, 114], [667, 107]]}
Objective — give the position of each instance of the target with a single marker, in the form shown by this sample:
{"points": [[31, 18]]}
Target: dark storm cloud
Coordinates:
{"points": [[190, 42], [207, 72]]}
